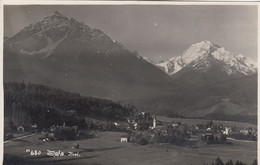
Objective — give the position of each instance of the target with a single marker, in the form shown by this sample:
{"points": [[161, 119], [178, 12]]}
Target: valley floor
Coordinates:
{"points": [[106, 149]]}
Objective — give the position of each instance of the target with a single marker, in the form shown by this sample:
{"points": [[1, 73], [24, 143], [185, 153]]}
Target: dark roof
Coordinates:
{"points": [[125, 136]]}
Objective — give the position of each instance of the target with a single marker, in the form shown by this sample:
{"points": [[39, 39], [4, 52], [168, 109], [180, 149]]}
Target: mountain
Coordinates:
{"points": [[215, 84], [206, 81], [64, 53], [204, 56]]}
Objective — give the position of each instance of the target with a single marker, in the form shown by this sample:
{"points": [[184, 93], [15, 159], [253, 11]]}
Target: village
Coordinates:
{"points": [[138, 134], [144, 128], [147, 129]]}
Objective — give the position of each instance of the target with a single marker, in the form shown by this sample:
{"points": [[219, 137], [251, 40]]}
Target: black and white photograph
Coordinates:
{"points": [[130, 83]]}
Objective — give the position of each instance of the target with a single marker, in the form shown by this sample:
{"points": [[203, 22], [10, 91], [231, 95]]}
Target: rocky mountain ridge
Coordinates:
{"points": [[203, 55]]}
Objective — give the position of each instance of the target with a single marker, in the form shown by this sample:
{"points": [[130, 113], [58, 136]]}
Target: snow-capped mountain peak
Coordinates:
{"points": [[201, 56], [148, 60]]}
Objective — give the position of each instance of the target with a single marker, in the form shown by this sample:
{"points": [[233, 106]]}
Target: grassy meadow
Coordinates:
{"points": [[106, 149]]}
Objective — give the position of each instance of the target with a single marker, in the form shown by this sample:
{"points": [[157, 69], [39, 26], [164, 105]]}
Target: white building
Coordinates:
{"points": [[227, 131], [135, 125], [154, 122], [244, 131], [124, 139]]}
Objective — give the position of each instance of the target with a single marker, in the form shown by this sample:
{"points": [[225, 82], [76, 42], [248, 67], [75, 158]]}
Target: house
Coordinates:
{"points": [[135, 125], [20, 128], [124, 139], [145, 115], [244, 131], [210, 138], [227, 131], [116, 124], [207, 138], [34, 126], [131, 120], [175, 125]]}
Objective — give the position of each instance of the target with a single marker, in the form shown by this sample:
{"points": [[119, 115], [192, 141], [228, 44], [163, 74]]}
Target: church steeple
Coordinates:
{"points": [[154, 121]]}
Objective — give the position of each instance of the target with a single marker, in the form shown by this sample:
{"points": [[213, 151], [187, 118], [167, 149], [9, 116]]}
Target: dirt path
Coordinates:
{"points": [[21, 137], [247, 141]]}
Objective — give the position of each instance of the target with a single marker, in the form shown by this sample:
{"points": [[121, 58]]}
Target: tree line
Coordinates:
{"points": [[46, 106], [218, 161]]}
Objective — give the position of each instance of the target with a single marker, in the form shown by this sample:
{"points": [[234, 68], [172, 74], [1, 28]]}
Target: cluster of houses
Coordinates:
{"points": [[143, 121], [60, 133], [146, 124], [219, 134], [248, 131], [210, 133]]}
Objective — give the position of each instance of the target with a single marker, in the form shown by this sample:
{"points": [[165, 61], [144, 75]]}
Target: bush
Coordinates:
{"points": [[8, 136], [65, 133], [142, 138], [142, 141]]}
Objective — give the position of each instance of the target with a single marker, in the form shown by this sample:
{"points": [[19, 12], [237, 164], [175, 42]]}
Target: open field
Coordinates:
{"points": [[107, 150], [203, 121]]}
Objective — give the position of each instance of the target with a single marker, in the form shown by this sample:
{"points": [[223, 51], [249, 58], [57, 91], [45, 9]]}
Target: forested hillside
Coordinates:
{"points": [[27, 104]]}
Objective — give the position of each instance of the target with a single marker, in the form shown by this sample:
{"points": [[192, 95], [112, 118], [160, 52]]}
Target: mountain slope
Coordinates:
{"points": [[234, 99], [64, 53]]}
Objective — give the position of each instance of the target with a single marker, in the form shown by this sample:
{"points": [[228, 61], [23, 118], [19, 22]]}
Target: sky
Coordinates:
{"points": [[158, 32]]}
